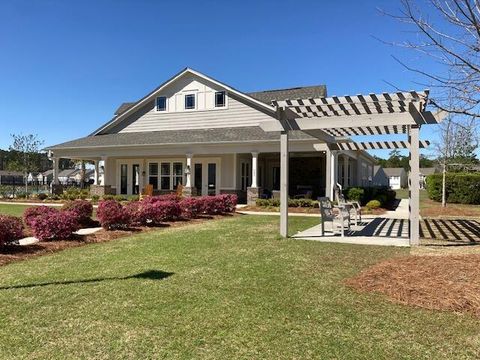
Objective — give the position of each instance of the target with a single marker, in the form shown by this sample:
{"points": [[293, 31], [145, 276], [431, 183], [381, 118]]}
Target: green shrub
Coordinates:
{"points": [[363, 195], [461, 188], [95, 198], [373, 204], [304, 203], [107, 197], [119, 197], [355, 194], [42, 196]]}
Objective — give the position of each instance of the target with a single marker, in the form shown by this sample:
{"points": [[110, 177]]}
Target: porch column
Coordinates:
{"points": [[414, 185], [284, 183], [188, 190], [254, 169], [328, 174], [96, 173], [333, 173], [105, 173], [359, 172], [55, 164], [253, 191]]}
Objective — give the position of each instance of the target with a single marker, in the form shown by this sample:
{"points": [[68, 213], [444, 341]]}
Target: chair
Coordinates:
{"points": [[304, 192], [147, 191], [337, 220], [179, 190], [351, 206]]}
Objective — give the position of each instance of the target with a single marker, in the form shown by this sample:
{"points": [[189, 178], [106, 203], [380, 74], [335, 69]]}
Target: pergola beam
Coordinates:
{"points": [[379, 145]]}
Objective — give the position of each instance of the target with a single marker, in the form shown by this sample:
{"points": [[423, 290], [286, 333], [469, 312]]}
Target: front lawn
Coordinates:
{"points": [[223, 289], [12, 209]]}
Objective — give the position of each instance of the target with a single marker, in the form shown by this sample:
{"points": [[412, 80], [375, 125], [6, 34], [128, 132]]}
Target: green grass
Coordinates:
{"points": [[12, 209], [403, 194], [235, 291]]}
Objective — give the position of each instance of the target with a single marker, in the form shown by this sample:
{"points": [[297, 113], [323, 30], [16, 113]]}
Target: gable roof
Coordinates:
{"points": [[428, 171], [131, 108], [304, 92], [393, 171]]}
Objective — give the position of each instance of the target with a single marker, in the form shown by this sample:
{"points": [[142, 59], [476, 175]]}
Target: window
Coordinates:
{"points": [[190, 101], [177, 174], [245, 175], [161, 103], [220, 99], [165, 176], [153, 175]]}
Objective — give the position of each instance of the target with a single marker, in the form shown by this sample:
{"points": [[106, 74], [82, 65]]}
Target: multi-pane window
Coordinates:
{"points": [[220, 99], [165, 176], [161, 103], [190, 101], [177, 174], [153, 175]]}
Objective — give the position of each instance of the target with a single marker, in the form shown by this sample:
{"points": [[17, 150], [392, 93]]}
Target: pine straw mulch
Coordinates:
{"points": [[13, 253], [450, 282]]}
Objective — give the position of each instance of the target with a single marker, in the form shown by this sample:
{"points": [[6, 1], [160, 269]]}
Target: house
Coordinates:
{"points": [[11, 178], [397, 178], [204, 134], [380, 178], [424, 172], [65, 176]]}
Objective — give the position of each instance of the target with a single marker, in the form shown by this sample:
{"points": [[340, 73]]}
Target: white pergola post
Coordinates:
{"points": [[188, 182], [55, 164], [254, 169], [334, 174], [284, 157], [414, 185], [96, 173], [328, 173], [105, 173], [345, 171]]}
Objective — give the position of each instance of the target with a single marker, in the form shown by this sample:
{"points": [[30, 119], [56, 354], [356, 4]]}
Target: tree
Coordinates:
{"points": [[447, 31], [27, 152]]}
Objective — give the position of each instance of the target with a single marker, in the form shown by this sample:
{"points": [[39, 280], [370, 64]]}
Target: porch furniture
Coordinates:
{"points": [[147, 191], [352, 207], [276, 194], [340, 219], [266, 194], [179, 190], [304, 192]]}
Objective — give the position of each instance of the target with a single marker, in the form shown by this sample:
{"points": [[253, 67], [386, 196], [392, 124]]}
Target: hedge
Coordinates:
{"points": [[57, 225], [11, 229], [304, 203], [83, 209], [461, 188], [383, 194], [30, 214]]}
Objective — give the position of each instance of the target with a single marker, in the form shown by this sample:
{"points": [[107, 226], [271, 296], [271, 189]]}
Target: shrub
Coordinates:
{"points": [[42, 196], [153, 213], [229, 202], [112, 215], [21, 195], [213, 205], [166, 197], [304, 203], [74, 194], [268, 202], [462, 188], [83, 209], [108, 197], [119, 197], [373, 204], [355, 194], [11, 229], [191, 207], [381, 193], [30, 214], [55, 225], [95, 198]]}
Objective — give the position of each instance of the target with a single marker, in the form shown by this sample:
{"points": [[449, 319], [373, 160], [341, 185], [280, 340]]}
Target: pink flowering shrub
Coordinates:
{"points": [[55, 225], [112, 215], [83, 209], [229, 202], [11, 229], [32, 213], [134, 212], [157, 198], [191, 207], [213, 205]]}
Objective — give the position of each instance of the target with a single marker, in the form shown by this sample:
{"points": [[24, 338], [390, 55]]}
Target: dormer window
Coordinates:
{"points": [[220, 99], [189, 101], [161, 103]]}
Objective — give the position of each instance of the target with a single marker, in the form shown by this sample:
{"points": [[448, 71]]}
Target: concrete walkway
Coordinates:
{"points": [[32, 240]]}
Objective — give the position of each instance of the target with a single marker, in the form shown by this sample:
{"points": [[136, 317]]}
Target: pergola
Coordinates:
{"points": [[334, 119]]}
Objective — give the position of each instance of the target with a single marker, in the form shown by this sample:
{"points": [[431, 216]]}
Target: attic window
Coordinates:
{"points": [[220, 99], [161, 103], [190, 101]]}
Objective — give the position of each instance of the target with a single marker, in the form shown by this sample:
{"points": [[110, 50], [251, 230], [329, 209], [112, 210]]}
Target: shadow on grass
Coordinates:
{"points": [[150, 274]]}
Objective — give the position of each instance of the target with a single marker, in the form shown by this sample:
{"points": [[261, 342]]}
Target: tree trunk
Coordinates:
{"points": [[444, 190]]}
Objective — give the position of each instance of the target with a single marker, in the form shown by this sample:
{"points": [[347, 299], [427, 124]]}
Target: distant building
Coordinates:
{"points": [[380, 178], [397, 178], [11, 178], [424, 172]]}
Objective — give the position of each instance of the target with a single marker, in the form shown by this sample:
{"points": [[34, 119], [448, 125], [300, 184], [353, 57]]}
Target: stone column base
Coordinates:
{"points": [[101, 190], [57, 189], [253, 194], [189, 191]]}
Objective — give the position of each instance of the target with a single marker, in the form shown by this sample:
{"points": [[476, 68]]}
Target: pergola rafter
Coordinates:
{"points": [[336, 118]]}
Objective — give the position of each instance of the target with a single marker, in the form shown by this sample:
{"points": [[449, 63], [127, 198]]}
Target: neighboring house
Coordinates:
{"points": [[397, 178], [65, 176], [76, 177], [424, 172], [11, 178], [199, 132], [380, 178], [46, 177]]}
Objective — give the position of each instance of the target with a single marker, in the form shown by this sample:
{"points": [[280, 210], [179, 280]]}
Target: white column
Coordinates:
{"points": [[334, 174], [55, 164], [188, 182], [359, 172], [345, 171], [97, 173], [254, 169], [284, 183], [105, 173], [414, 186], [328, 174]]}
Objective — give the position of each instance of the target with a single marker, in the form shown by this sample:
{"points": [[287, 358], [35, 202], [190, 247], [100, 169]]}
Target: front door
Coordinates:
{"points": [[129, 178], [206, 177]]}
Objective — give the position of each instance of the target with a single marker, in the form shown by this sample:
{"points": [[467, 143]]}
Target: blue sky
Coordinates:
{"points": [[65, 66]]}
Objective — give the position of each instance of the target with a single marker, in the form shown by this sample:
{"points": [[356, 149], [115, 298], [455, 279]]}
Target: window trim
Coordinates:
{"points": [[166, 104], [172, 177], [224, 99]]}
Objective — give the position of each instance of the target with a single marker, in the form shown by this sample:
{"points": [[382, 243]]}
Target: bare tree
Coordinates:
{"points": [[447, 31]]}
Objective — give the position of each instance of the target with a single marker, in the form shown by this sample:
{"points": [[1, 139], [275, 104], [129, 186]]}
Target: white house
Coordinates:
{"points": [[204, 134], [380, 178], [424, 172], [397, 178]]}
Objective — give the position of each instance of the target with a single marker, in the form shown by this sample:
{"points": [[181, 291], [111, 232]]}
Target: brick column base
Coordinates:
{"points": [[189, 191], [253, 194], [57, 189], [101, 190]]}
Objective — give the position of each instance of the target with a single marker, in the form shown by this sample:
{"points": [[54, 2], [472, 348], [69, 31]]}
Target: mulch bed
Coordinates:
{"points": [[449, 283], [12, 253]]}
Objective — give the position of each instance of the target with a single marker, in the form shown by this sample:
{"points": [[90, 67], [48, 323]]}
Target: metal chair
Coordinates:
{"points": [[351, 206], [339, 219]]}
